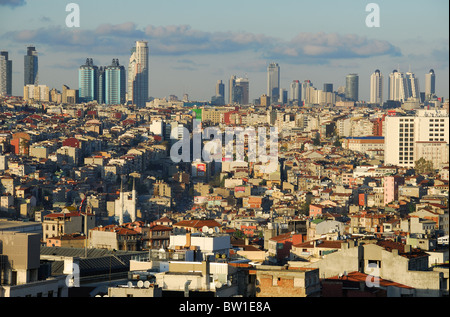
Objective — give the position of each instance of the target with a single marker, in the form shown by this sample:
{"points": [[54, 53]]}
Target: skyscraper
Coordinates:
{"points": [[138, 74], [31, 67], [232, 84], [101, 85], [273, 82], [239, 90], [398, 86], [5, 74], [352, 87], [413, 90], [328, 87], [220, 88], [115, 82], [430, 84], [88, 81], [376, 88], [295, 92]]}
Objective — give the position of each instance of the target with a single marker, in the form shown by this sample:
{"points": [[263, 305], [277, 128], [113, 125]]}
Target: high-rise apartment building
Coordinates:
{"points": [[36, 93], [115, 81], [352, 87], [407, 138], [306, 85], [376, 88], [31, 74], [397, 88], [138, 73], [430, 84], [413, 90], [273, 82], [5, 74]]}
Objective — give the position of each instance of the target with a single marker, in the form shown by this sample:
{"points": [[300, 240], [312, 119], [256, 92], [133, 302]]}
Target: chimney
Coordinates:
{"points": [[407, 248]]}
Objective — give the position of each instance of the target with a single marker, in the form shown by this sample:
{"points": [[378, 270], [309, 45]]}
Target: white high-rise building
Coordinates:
{"points": [[397, 86], [430, 84], [413, 86], [376, 88], [408, 138], [138, 74]]}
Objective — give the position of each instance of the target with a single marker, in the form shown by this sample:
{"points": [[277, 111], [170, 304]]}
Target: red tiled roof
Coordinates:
{"points": [[361, 277]]}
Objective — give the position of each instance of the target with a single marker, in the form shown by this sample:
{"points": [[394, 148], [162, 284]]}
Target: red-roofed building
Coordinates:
{"points": [[356, 284], [197, 225], [279, 247]]}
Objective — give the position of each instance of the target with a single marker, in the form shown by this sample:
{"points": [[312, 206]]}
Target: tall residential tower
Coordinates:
{"points": [[376, 88]]}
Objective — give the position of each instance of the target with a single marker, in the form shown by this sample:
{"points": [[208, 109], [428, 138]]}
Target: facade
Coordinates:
{"points": [[352, 87], [276, 281], [5, 74], [138, 73], [36, 92], [370, 145], [273, 82], [88, 81], [405, 134], [19, 268], [31, 67], [115, 82], [376, 88]]}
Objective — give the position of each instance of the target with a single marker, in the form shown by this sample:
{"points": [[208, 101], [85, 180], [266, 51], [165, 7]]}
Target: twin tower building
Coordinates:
{"points": [[109, 84]]}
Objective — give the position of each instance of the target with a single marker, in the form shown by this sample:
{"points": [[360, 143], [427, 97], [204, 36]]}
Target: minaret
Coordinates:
{"points": [[133, 197], [121, 201]]}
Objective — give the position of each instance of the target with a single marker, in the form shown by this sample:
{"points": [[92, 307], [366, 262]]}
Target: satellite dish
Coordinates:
{"points": [[146, 284], [140, 284], [210, 230], [130, 284], [218, 285], [229, 283], [205, 229], [216, 229]]}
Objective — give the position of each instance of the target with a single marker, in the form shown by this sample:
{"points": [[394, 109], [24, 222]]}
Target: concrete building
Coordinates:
{"points": [[409, 137], [385, 259], [286, 281], [19, 268]]}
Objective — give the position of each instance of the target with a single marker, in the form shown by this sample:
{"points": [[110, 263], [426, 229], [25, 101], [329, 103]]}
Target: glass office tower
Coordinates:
{"points": [[31, 67], [88, 81], [115, 83]]}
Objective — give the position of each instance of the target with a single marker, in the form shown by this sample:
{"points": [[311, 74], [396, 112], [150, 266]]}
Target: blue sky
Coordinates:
{"points": [[194, 43]]}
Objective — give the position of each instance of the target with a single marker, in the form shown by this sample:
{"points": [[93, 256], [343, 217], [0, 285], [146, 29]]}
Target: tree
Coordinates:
{"points": [[423, 166]]}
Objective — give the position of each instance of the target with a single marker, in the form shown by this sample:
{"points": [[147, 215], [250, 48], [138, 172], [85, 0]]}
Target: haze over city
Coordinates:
{"points": [[192, 44]]}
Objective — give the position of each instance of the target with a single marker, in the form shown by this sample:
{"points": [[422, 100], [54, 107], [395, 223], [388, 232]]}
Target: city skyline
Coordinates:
{"points": [[189, 55]]}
